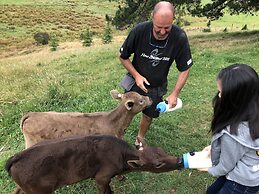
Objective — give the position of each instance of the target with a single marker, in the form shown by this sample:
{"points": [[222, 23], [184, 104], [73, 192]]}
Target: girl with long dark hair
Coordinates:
{"points": [[235, 129]]}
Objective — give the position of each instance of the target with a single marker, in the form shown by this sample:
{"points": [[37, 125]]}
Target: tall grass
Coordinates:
{"points": [[81, 80]]}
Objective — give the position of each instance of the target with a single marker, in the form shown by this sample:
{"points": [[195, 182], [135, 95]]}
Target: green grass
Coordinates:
{"points": [[231, 22], [81, 81], [237, 22]]}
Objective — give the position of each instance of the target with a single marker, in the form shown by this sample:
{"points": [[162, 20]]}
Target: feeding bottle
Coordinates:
{"points": [[164, 107], [197, 160]]}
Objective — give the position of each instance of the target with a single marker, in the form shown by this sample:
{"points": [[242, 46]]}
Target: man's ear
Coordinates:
{"points": [[116, 95], [152, 14], [134, 163], [129, 104]]}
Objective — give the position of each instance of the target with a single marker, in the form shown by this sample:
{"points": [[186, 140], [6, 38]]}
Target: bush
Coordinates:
{"points": [[245, 27], [53, 42], [87, 37], [206, 30], [186, 23], [41, 38], [107, 35], [209, 24], [11, 27]]}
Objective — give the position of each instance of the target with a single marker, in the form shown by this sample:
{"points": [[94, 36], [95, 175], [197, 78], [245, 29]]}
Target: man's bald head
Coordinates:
{"points": [[162, 17], [164, 7]]}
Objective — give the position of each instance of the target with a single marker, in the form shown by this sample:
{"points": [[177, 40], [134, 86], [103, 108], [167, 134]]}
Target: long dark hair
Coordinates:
{"points": [[239, 100]]}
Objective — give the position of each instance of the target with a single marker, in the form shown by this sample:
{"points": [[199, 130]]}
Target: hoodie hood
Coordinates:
{"points": [[243, 136]]}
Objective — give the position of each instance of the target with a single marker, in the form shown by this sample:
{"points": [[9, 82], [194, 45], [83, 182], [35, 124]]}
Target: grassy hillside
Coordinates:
{"points": [[80, 80], [21, 19]]}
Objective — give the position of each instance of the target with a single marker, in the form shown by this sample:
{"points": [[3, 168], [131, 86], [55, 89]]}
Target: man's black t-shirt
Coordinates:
{"points": [[153, 58]]}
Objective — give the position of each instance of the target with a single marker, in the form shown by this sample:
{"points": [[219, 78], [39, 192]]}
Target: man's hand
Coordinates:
{"points": [[141, 81], [172, 100]]}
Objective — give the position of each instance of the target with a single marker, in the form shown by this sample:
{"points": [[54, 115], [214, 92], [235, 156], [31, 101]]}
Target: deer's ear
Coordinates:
{"points": [[134, 163], [116, 95], [129, 104], [160, 165]]}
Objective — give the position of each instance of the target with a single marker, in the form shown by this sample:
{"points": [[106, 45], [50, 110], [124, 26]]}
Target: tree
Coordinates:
{"points": [[216, 8], [134, 11], [54, 42], [87, 37], [107, 35], [131, 12], [245, 27]]}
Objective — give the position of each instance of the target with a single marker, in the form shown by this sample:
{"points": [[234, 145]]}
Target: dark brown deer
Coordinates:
{"points": [[48, 165]]}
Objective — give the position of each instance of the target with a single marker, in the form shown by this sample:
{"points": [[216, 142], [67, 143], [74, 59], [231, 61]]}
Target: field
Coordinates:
{"points": [[20, 20], [76, 78]]}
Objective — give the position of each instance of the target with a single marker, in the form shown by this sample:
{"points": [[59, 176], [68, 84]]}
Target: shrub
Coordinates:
{"points": [[107, 35], [186, 23], [87, 37], [41, 38], [208, 24], [11, 27], [54, 42], [206, 30], [245, 27]]}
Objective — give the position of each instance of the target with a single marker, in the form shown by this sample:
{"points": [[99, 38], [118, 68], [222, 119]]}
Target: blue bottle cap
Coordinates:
{"points": [[161, 107], [185, 161]]}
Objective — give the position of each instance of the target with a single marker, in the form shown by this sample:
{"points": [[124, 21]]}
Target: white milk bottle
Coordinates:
{"points": [[197, 159], [164, 107]]}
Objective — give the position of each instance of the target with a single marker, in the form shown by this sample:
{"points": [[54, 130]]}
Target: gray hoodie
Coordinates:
{"points": [[236, 156]]}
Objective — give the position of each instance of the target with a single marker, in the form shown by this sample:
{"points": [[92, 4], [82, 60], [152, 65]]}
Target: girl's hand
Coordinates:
{"points": [[203, 169], [207, 149]]}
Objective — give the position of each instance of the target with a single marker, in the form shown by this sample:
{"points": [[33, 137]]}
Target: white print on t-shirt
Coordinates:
{"points": [[154, 56], [189, 61]]}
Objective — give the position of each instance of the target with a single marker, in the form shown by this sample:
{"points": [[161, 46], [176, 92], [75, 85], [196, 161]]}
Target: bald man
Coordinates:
{"points": [[156, 45]]}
